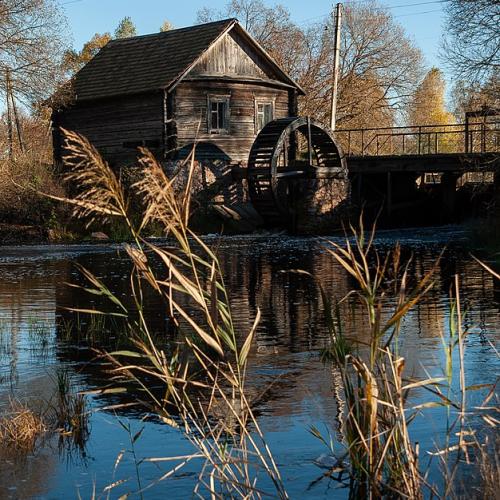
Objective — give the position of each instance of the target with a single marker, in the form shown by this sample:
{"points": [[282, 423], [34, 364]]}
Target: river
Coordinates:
{"points": [[34, 293]]}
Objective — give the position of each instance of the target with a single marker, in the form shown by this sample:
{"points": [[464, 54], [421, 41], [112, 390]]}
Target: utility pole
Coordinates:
{"points": [[336, 64], [10, 137]]}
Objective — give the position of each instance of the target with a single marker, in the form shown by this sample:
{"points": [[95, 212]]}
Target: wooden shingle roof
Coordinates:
{"points": [[143, 63], [150, 62]]}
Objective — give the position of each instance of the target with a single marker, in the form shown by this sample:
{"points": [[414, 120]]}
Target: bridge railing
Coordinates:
{"points": [[481, 137]]}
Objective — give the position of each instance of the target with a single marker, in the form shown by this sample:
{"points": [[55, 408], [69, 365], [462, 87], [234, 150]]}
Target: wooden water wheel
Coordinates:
{"points": [[286, 153]]}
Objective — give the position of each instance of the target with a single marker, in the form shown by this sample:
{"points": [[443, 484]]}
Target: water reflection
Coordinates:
{"points": [[291, 387]]}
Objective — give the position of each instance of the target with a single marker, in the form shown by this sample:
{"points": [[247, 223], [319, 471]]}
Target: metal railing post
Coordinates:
{"points": [[466, 131]]}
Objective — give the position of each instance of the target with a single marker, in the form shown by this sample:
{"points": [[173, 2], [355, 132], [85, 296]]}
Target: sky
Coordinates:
{"points": [[422, 19]]}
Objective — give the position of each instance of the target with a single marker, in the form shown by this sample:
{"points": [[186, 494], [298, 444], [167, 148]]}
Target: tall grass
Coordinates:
{"points": [[384, 460], [199, 388], [375, 431], [203, 381]]}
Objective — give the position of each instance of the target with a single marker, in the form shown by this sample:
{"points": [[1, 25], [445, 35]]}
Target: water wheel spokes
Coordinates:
{"points": [[285, 151]]}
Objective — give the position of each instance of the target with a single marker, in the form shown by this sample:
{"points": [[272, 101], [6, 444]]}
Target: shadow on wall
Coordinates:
{"points": [[205, 151], [220, 198]]}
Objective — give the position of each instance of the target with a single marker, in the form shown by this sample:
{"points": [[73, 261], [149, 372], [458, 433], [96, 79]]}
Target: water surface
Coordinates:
{"points": [[34, 293]]}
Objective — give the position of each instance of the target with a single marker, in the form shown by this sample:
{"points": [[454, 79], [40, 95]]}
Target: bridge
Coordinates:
{"points": [[454, 147], [299, 171], [404, 168]]}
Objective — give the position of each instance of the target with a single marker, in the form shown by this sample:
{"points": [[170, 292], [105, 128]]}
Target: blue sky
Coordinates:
{"points": [[422, 22]]}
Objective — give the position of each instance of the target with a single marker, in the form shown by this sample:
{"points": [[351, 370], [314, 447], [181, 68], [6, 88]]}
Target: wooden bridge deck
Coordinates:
{"points": [[425, 163]]}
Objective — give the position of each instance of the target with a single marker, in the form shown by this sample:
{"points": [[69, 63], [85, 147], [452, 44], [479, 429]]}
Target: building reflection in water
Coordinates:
{"points": [[286, 376]]}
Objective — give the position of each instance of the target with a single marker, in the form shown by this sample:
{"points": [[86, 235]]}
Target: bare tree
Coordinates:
{"points": [[32, 43], [466, 97], [380, 67], [471, 48]]}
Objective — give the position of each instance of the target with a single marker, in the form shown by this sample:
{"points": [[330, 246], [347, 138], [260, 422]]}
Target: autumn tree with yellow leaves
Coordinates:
{"points": [[428, 107]]}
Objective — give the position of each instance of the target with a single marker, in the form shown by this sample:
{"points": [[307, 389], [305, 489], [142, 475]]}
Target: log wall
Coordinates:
{"points": [[190, 115], [116, 126], [230, 56]]}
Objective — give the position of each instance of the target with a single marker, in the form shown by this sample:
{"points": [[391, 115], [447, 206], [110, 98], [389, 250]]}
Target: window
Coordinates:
{"points": [[264, 114], [218, 114]]}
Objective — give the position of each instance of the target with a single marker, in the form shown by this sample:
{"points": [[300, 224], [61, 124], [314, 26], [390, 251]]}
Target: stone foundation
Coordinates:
{"points": [[323, 206], [220, 191]]}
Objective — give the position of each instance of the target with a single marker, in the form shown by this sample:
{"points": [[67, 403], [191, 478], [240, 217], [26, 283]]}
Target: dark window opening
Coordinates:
{"points": [[218, 114], [264, 114]]}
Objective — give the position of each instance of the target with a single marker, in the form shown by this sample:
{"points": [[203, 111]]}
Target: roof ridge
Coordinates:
{"points": [[229, 20]]}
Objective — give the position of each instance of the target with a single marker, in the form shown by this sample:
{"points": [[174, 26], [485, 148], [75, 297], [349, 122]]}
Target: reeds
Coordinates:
{"points": [[199, 387], [202, 382], [66, 416], [70, 414], [384, 461], [21, 427]]}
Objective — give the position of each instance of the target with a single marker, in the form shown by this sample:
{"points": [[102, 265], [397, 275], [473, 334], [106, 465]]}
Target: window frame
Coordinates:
{"points": [[270, 101], [219, 98]]}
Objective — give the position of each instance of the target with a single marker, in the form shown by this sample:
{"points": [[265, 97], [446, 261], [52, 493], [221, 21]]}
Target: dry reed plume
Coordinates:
{"points": [[203, 380]]}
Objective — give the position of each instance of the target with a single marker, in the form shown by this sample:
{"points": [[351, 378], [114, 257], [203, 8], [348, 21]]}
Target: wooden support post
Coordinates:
{"points": [[449, 195], [16, 116], [10, 136], [309, 145], [466, 131], [483, 135], [496, 194]]}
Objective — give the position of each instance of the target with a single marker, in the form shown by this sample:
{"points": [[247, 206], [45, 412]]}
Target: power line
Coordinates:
{"points": [[383, 8], [418, 13]]}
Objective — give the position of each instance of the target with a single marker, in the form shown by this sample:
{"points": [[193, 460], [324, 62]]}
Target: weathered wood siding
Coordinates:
{"points": [[113, 125], [190, 115], [230, 56]]}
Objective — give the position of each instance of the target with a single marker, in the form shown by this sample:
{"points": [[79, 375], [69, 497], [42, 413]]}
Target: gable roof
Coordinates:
{"points": [[156, 61]]}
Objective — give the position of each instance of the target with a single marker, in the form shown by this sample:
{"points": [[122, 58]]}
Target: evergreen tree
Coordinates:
{"points": [[126, 28]]}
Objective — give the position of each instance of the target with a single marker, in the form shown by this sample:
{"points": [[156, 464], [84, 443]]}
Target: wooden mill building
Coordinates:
{"points": [[212, 83]]}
